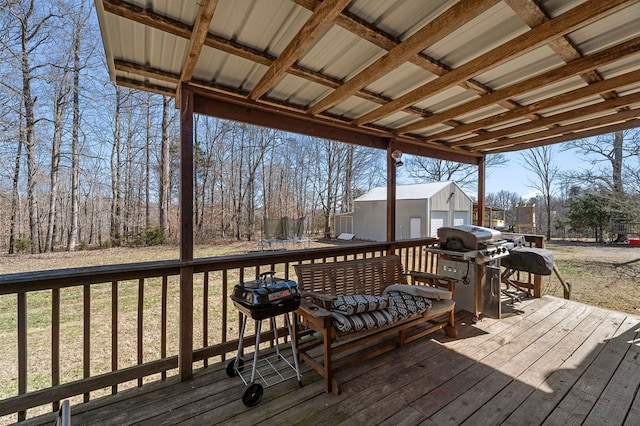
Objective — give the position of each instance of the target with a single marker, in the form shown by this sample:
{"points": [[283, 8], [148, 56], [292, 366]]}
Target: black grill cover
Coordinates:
{"points": [[529, 259], [265, 291]]}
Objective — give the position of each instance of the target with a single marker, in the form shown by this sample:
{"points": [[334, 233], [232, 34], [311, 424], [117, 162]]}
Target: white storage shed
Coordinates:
{"points": [[420, 210]]}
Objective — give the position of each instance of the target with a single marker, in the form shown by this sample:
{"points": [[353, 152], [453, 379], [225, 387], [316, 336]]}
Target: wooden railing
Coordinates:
{"points": [[83, 333]]}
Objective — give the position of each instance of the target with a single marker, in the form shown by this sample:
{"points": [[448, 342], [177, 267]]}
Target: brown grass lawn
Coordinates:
{"points": [[603, 275]]}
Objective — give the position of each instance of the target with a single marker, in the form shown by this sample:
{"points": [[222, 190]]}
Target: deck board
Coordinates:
{"points": [[547, 361]]}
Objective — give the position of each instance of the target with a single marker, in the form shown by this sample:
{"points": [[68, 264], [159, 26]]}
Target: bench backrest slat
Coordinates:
{"points": [[360, 276]]}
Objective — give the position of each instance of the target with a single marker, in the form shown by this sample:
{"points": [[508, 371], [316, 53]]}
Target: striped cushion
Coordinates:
{"points": [[358, 303], [363, 321], [406, 305]]}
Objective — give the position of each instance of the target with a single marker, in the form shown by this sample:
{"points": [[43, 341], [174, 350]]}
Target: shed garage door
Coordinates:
{"points": [[438, 220]]}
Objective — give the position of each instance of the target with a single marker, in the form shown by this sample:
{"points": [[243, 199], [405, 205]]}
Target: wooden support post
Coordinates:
{"points": [[481, 190], [185, 363], [391, 192]]}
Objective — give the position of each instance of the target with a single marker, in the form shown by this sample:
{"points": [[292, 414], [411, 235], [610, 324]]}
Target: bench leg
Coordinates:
{"points": [[450, 329], [329, 385]]}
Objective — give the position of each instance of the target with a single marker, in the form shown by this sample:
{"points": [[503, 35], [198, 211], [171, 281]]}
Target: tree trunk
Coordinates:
{"points": [[54, 175], [147, 164], [616, 166], [75, 150], [29, 104], [165, 171], [15, 194], [116, 164]]}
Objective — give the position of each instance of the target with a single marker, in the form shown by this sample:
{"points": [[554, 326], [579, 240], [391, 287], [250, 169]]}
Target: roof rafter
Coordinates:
{"points": [[581, 65], [179, 29], [533, 15], [376, 36], [560, 130], [198, 35], [551, 29], [576, 134], [555, 101], [444, 24], [552, 121], [321, 18]]}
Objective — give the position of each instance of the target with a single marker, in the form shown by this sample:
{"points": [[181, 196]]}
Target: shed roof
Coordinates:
{"points": [[444, 78], [418, 191]]}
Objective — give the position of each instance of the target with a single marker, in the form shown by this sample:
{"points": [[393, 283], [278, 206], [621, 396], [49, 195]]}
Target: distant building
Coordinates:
{"points": [[420, 210]]}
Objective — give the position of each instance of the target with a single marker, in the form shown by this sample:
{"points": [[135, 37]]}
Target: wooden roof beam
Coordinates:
{"points": [[551, 121], [179, 29], [143, 85], [561, 130], [146, 71], [321, 18], [563, 24], [446, 23], [587, 63], [204, 15], [378, 37], [579, 134], [533, 15], [555, 101]]}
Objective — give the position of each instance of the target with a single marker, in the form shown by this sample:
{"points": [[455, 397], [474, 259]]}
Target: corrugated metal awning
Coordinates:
{"points": [[471, 77]]}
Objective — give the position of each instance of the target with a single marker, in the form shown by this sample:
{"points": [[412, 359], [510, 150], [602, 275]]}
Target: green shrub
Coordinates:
{"points": [[154, 236], [23, 245]]}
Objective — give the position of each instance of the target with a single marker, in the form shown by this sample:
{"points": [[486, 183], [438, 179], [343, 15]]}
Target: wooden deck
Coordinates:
{"points": [[548, 361]]}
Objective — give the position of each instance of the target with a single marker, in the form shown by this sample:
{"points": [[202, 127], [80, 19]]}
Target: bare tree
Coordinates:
{"points": [[80, 18], [609, 156], [540, 161], [33, 36], [435, 170], [116, 174], [507, 201], [164, 192], [61, 93]]}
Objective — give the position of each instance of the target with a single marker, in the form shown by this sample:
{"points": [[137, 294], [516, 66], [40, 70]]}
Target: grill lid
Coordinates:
{"points": [[466, 237]]}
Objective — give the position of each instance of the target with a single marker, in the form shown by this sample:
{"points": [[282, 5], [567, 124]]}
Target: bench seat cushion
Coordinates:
{"points": [[440, 307], [363, 321], [406, 305], [359, 303]]}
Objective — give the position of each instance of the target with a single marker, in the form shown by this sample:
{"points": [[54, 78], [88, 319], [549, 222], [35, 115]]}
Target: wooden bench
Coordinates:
{"points": [[322, 283]]}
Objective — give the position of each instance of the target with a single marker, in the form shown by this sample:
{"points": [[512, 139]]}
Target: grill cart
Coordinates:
{"points": [[265, 298]]}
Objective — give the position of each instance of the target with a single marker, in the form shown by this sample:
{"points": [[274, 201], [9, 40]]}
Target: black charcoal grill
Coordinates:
{"points": [[265, 298]]}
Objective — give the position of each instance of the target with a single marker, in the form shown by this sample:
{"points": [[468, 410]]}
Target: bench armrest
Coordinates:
{"points": [[433, 279], [321, 299], [313, 316], [312, 309]]}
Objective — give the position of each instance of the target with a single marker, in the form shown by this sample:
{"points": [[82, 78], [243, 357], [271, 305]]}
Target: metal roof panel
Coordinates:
{"points": [[487, 31]]}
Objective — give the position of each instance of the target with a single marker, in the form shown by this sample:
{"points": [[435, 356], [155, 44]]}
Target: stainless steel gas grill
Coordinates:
{"points": [[472, 254], [265, 298]]}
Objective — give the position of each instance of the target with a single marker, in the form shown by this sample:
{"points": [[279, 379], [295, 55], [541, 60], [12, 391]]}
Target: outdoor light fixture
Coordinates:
{"points": [[397, 155]]}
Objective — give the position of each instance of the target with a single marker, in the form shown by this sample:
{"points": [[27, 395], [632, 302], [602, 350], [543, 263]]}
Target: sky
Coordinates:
{"points": [[514, 177]]}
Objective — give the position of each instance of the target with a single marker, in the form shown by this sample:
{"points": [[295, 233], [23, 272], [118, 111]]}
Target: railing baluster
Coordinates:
{"points": [[140, 324], [86, 335], [22, 349], [225, 305], [114, 331], [55, 342], [163, 322], [205, 314]]}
